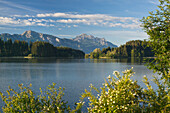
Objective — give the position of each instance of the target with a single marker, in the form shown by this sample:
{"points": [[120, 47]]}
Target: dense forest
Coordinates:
{"points": [[36, 49], [132, 48]]}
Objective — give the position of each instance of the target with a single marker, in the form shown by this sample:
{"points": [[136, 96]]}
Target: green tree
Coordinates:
{"points": [[1, 47], [132, 53], [97, 50], [157, 26], [86, 55]]}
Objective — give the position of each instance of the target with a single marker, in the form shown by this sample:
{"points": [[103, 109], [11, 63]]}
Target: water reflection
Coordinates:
{"points": [[57, 60]]}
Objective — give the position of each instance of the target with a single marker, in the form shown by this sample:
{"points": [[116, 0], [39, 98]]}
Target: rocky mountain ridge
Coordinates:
{"points": [[84, 42]]}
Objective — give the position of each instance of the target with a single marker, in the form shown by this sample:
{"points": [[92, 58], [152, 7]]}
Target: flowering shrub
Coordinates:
{"points": [[122, 94], [26, 101]]}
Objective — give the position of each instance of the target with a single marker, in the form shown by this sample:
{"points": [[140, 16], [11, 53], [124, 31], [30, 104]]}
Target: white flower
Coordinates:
{"points": [[116, 72], [109, 77]]}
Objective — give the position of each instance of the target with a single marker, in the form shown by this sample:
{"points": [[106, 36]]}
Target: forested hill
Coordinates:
{"points": [[37, 49], [134, 48], [84, 42]]}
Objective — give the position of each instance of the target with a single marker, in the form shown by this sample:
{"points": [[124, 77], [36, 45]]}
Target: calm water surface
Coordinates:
{"points": [[74, 75]]}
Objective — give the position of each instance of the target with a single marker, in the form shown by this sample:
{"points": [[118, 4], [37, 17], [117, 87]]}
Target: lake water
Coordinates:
{"points": [[74, 75]]}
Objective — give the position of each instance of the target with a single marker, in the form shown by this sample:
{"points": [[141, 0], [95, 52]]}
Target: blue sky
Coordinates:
{"points": [[115, 20]]}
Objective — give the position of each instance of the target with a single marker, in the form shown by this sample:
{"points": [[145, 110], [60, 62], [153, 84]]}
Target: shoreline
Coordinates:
{"points": [[71, 57]]}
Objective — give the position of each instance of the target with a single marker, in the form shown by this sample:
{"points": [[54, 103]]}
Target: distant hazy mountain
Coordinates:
{"points": [[84, 42]]}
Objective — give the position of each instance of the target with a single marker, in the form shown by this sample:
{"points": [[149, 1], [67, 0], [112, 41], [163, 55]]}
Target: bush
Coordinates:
{"points": [[86, 55], [117, 95], [122, 94], [30, 55], [26, 101]]}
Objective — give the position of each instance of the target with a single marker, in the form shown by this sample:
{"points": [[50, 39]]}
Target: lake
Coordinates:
{"points": [[74, 75]]}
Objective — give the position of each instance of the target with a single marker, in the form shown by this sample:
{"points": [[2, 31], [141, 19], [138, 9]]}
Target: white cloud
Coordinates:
{"points": [[72, 19], [88, 16], [132, 26], [41, 24], [51, 25], [156, 2], [25, 22], [21, 16], [94, 19], [75, 25], [17, 22], [6, 20]]}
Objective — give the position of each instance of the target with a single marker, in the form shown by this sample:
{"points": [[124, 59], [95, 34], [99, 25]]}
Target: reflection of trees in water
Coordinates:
{"points": [[132, 60], [53, 60], [13, 59]]}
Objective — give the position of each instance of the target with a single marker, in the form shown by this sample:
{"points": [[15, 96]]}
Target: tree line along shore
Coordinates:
{"points": [[134, 48], [36, 49]]}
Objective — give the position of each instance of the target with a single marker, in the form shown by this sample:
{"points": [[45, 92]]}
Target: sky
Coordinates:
{"points": [[118, 21]]}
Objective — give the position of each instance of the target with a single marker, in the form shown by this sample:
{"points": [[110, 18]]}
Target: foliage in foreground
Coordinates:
{"points": [[122, 94], [26, 101], [157, 26]]}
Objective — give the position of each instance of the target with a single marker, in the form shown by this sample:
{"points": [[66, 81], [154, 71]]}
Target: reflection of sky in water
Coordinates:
{"points": [[73, 74]]}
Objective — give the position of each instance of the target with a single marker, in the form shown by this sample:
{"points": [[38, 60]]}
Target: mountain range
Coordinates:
{"points": [[84, 42]]}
